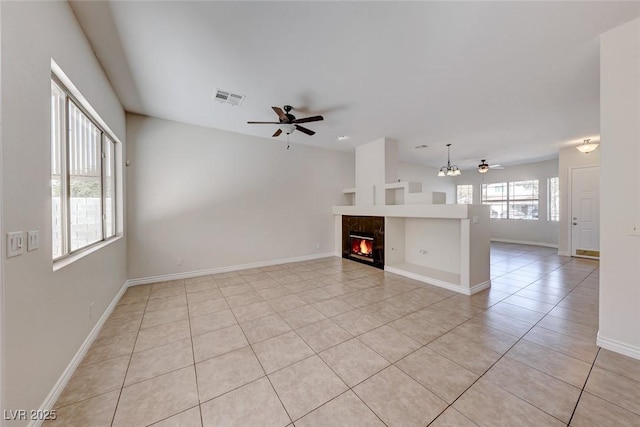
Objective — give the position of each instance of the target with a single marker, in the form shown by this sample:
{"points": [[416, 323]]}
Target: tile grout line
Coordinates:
{"points": [[193, 351], [115, 411], [583, 387]]}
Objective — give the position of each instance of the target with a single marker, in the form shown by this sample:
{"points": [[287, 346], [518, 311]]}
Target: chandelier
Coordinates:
{"points": [[449, 170]]}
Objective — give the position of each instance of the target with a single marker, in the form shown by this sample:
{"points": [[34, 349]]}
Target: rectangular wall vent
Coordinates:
{"points": [[226, 97]]}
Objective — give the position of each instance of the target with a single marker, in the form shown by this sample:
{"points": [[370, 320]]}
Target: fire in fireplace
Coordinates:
{"points": [[361, 247]]}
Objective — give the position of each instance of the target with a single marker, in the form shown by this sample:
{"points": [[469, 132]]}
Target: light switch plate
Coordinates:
{"points": [[15, 243], [33, 240]]}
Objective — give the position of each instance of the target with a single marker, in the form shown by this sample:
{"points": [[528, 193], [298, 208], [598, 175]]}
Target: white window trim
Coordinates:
{"points": [[66, 260], [58, 76]]}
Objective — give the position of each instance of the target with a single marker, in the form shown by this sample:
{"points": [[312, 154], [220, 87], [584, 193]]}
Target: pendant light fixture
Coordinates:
{"points": [[586, 147], [449, 170], [483, 167]]}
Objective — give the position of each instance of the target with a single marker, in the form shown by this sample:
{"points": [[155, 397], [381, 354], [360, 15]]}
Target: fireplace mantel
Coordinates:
{"points": [[408, 211]]}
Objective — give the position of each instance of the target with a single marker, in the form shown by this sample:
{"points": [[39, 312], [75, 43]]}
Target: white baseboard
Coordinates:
{"points": [[480, 287], [618, 347], [564, 253], [526, 242], [189, 274], [59, 386], [439, 283]]}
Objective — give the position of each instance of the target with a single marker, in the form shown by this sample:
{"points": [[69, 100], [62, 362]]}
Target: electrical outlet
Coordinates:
{"points": [[317, 245], [635, 230], [179, 261]]}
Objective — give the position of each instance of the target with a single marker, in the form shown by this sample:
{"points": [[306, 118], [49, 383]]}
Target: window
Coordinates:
{"points": [[464, 194], [553, 193], [512, 200], [83, 176], [495, 195]]}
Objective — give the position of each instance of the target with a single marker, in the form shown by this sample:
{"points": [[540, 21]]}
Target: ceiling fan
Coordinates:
{"points": [[484, 167], [288, 122]]}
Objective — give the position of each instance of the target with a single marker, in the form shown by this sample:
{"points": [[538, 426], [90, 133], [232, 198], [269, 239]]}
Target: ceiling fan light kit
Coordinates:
{"points": [[449, 169], [288, 122], [586, 147], [288, 129], [483, 167]]}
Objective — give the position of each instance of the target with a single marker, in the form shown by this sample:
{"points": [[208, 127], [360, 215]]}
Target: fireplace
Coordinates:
{"points": [[363, 239], [361, 247]]}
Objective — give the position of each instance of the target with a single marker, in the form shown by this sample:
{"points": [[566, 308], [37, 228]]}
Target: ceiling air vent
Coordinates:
{"points": [[226, 97]]}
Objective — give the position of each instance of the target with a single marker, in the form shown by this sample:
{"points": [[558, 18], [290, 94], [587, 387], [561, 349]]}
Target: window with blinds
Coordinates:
{"points": [[83, 176]]}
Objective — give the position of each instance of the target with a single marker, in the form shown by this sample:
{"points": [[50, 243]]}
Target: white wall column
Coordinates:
{"points": [[620, 190], [376, 165]]}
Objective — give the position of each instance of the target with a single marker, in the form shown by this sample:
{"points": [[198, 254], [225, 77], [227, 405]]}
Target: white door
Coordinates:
{"points": [[585, 212]]}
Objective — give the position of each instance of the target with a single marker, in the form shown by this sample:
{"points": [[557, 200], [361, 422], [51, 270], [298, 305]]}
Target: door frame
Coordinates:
{"points": [[2, 260], [570, 210]]}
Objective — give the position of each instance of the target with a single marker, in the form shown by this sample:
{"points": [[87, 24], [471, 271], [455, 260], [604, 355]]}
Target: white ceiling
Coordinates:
{"points": [[510, 82]]}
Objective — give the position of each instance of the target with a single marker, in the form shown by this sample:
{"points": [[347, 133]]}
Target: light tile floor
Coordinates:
{"points": [[331, 342]]}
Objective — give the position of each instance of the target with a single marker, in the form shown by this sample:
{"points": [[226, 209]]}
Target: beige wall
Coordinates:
{"points": [[220, 199], [46, 313], [620, 189]]}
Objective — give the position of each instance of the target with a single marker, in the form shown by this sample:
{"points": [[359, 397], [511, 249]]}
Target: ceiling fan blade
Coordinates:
{"points": [[309, 119], [264, 123], [280, 113], [305, 130], [277, 133]]}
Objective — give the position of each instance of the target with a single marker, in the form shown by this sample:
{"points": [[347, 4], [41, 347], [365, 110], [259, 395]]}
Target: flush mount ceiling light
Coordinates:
{"points": [[586, 147], [483, 167], [449, 170], [343, 138]]}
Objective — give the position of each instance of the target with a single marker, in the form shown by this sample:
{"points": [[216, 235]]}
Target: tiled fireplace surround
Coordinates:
{"points": [[372, 226]]}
